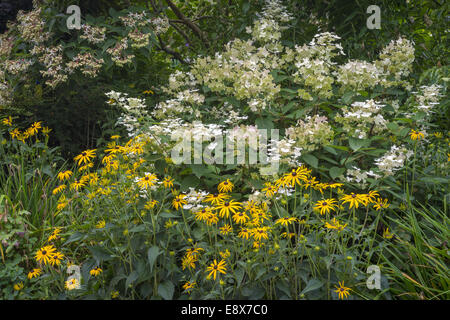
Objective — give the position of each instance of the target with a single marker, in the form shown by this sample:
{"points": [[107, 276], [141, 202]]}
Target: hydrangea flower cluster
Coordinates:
{"points": [[86, 63], [53, 62], [362, 118], [393, 160], [396, 60], [357, 75], [311, 133], [93, 34]]}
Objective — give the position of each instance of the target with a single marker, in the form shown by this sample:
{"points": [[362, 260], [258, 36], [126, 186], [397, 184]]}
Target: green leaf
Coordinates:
{"points": [[152, 255], [131, 278], [166, 290], [312, 284], [100, 253], [357, 144], [336, 172], [264, 123], [311, 160]]}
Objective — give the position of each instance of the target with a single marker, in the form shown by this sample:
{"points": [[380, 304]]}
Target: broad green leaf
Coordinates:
{"points": [[166, 290]]}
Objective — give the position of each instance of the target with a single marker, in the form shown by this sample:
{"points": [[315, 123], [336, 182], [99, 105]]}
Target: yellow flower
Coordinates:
{"points": [[56, 259], [64, 175], [15, 133], [34, 273], [35, 128], [225, 186], [188, 286], [325, 205], [7, 121], [115, 137], [342, 291], [381, 204], [148, 92], [270, 189], [216, 267], [54, 235], [44, 255], [216, 198], [226, 229], [18, 286], [416, 135], [96, 271], [259, 233], [225, 254], [240, 218], [168, 182], [58, 189], [354, 199], [294, 177], [72, 284], [228, 206], [101, 224], [334, 224], [114, 294], [244, 233], [147, 181], [179, 201], [387, 234], [286, 221], [85, 157], [151, 204], [77, 184]]}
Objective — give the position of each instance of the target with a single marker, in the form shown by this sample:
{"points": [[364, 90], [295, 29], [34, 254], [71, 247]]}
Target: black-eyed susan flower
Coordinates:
{"points": [[34, 273], [371, 196], [325, 205], [64, 175], [15, 134], [203, 214], [381, 204], [56, 259], [286, 221], [151, 204], [296, 176], [335, 224], [416, 135], [18, 286], [113, 148], [188, 286], [7, 121], [387, 234], [96, 271], [54, 235], [215, 267], [228, 206], [244, 233], [216, 198], [101, 224], [225, 254], [225, 186], [259, 233], [168, 182], [147, 181], [85, 157], [226, 229], [269, 190], [179, 201], [72, 284], [212, 219], [35, 128], [354, 199], [77, 184], [43, 255], [59, 189], [240, 218], [342, 291]]}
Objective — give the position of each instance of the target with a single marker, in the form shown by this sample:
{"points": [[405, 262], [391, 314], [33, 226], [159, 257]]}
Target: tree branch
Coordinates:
{"points": [[173, 53], [188, 22]]}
